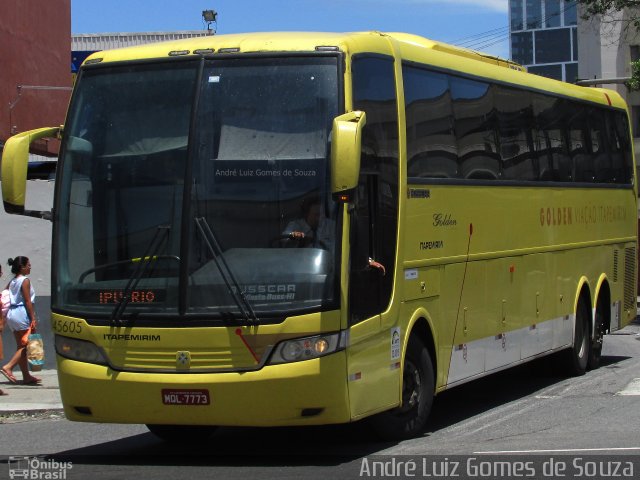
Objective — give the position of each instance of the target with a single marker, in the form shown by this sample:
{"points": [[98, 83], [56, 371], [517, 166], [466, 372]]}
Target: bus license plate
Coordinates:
{"points": [[185, 397]]}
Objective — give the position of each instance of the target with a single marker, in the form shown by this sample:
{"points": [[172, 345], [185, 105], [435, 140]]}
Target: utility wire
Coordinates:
{"points": [[499, 35]]}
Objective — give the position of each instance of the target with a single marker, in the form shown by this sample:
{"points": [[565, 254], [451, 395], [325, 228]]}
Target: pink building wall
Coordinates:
{"points": [[35, 51]]}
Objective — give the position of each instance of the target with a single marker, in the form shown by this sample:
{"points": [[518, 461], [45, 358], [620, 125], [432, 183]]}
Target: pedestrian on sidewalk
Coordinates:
{"points": [[2, 322], [21, 319]]}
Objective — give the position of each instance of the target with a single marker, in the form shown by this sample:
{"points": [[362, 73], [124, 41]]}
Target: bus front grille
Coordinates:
{"points": [[185, 360]]}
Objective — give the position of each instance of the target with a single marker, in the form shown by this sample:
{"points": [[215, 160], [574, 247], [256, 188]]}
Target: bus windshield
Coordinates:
{"points": [[198, 189]]}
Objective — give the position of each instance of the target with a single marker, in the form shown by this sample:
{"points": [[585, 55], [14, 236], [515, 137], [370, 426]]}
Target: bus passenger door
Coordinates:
{"points": [[374, 378], [371, 381]]}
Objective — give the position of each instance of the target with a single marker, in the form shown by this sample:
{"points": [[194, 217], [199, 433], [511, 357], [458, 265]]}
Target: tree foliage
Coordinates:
{"points": [[601, 8]]}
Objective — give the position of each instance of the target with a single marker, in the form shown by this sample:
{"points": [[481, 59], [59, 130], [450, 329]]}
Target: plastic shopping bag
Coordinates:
{"points": [[35, 352], [5, 299]]}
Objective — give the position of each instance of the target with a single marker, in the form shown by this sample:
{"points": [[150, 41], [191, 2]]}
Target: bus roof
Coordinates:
{"points": [[412, 48]]}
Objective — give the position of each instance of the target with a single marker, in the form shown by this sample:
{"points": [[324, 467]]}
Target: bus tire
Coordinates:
{"points": [[418, 385], [578, 354], [182, 433], [596, 344]]}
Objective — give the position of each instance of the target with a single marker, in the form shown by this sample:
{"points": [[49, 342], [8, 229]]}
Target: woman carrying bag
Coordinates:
{"points": [[21, 319], [2, 322]]}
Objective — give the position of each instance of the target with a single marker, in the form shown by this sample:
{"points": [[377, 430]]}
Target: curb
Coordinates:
{"points": [[31, 400], [31, 411]]}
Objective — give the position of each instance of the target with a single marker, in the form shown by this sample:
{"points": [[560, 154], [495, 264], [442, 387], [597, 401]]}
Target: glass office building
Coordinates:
{"points": [[544, 37]]}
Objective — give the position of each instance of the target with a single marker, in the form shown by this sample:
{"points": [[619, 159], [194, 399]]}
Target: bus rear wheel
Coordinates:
{"points": [[578, 355], [418, 385], [182, 433], [595, 351]]}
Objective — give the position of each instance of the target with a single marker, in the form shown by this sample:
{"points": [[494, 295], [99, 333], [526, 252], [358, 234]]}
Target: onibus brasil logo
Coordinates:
{"points": [[37, 468]]}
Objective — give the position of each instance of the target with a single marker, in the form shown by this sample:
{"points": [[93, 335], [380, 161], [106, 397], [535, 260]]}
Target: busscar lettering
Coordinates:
{"points": [[282, 292], [282, 288]]}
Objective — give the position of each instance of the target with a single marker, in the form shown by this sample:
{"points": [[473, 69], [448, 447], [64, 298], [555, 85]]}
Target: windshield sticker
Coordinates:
{"points": [[214, 79], [395, 343]]}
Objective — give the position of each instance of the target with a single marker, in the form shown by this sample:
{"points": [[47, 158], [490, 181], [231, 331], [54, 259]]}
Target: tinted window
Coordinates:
{"points": [[376, 206], [553, 15], [598, 147], [570, 13], [515, 135], [571, 72], [374, 92], [516, 14], [554, 160], [522, 47], [534, 14], [581, 158], [549, 71], [473, 111], [553, 45], [506, 133], [620, 147], [431, 142]]}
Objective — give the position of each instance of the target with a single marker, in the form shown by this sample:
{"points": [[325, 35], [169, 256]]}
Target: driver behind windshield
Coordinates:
{"points": [[312, 229]]}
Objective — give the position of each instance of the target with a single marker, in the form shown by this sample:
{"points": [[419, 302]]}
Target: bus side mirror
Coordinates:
{"points": [[346, 146], [15, 162]]}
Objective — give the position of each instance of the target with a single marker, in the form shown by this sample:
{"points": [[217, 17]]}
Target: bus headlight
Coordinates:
{"points": [[308, 347], [79, 350]]}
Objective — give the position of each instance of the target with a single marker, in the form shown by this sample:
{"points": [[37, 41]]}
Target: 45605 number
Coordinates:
{"points": [[67, 326]]}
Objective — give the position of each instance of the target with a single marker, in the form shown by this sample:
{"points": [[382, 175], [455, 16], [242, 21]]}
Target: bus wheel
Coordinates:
{"points": [[578, 355], [596, 344], [182, 433], [418, 385]]}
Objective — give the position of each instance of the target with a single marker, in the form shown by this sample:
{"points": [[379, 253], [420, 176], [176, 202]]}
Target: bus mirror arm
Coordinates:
{"points": [[43, 214], [14, 210]]}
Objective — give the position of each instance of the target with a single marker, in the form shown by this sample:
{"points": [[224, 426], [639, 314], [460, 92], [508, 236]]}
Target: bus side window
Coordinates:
{"points": [[555, 163], [431, 141], [581, 158], [515, 122], [473, 103], [617, 130]]}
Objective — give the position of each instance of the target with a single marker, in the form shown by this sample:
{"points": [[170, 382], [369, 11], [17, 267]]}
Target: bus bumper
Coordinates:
{"points": [[311, 392]]}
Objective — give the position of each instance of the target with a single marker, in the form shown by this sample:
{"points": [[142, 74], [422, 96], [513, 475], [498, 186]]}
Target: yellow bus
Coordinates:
{"points": [[314, 228]]}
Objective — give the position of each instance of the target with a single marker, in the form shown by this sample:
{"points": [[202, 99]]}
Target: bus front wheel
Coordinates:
{"points": [[182, 433], [418, 385]]}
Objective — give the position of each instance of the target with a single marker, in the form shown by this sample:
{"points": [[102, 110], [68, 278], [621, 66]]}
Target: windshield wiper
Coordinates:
{"points": [[162, 233], [245, 308]]}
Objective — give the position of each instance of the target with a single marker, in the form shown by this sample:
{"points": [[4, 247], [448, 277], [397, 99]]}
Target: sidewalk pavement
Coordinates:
{"points": [[30, 398]]}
